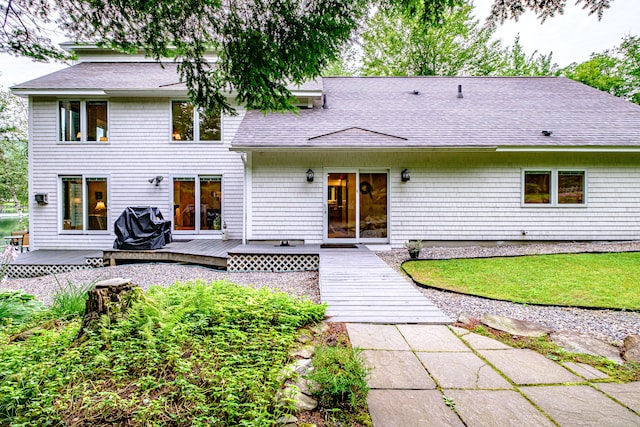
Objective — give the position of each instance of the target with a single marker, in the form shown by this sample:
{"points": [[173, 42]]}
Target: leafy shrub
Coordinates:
{"points": [[191, 354], [18, 307], [341, 377], [69, 300]]}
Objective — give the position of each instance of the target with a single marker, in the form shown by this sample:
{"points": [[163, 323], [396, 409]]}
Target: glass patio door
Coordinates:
{"points": [[357, 207]]}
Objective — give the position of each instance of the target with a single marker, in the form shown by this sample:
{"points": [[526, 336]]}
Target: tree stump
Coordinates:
{"points": [[111, 298]]}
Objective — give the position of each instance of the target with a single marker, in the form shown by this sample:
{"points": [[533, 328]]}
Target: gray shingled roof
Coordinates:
{"points": [[122, 76], [384, 113], [109, 76]]}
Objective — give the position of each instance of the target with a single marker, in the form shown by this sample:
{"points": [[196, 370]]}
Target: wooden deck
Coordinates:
{"points": [[360, 287], [56, 257], [202, 252]]}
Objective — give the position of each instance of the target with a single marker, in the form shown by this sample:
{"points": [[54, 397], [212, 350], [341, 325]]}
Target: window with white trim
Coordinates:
{"points": [[83, 121], [84, 203], [554, 187], [197, 203], [191, 125]]}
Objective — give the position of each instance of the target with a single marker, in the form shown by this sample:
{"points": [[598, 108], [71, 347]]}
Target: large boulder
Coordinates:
{"points": [[514, 326], [631, 348]]}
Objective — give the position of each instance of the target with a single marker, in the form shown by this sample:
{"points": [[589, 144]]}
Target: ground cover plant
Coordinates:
{"points": [[607, 280], [190, 354]]}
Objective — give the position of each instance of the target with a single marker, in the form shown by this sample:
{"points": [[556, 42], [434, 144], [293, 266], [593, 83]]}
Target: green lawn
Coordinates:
{"points": [[608, 280]]}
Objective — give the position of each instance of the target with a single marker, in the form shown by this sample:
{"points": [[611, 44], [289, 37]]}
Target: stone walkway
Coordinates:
{"points": [[359, 287], [436, 375]]}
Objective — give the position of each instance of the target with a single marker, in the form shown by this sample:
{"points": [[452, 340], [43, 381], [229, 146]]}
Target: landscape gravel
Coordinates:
{"points": [[299, 284], [610, 325]]}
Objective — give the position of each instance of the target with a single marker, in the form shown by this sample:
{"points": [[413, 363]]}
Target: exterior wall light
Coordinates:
{"points": [[310, 175], [406, 177], [156, 179]]}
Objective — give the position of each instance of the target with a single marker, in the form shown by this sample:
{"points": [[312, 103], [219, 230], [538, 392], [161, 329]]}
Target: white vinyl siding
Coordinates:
{"points": [[138, 150], [452, 196]]}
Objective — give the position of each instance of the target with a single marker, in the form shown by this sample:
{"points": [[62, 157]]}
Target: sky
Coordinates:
{"points": [[571, 37]]}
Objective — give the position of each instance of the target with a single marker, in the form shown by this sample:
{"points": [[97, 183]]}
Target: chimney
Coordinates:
{"points": [[460, 92]]}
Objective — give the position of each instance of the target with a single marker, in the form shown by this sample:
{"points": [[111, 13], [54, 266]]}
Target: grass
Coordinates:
{"points": [[607, 280], [191, 354]]}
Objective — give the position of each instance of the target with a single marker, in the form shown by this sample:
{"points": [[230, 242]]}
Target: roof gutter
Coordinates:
{"points": [[575, 149]]}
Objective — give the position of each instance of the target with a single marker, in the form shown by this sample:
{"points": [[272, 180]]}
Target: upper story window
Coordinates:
{"points": [[83, 121], [554, 187], [189, 124]]}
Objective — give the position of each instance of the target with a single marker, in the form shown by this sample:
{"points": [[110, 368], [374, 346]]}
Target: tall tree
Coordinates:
{"points": [[616, 70], [516, 62], [397, 44], [262, 44], [13, 151]]}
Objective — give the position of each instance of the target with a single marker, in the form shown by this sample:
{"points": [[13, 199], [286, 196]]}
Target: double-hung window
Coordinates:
{"points": [[83, 121], [84, 203], [554, 187], [191, 125]]}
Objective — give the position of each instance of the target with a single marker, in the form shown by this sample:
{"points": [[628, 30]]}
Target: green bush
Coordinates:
{"points": [[69, 300], [190, 354], [18, 307], [341, 377]]}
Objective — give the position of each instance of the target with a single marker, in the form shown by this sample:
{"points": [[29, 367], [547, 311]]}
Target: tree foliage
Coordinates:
{"points": [[616, 70], [398, 45], [13, 150], [262, 45]]}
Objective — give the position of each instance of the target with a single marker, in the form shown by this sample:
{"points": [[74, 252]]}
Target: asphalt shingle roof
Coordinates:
{"points": [[384, 112], [109, 76]]}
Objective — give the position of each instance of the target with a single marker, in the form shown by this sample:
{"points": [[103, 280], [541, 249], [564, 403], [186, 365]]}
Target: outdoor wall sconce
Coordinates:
{"points": [[310, 175], [406, 177], [156, 179], [42, 198]]}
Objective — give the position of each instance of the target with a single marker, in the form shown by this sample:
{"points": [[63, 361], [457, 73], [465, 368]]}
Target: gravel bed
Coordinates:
{"points": [[299, 284], [609, 325]]}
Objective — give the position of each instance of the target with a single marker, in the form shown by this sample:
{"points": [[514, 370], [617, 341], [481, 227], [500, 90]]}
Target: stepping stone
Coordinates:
{"points": [[459, 331], [396, 370], [480, 342], [431, 338], [528, 367], [576, 342], [628, 394], [587, 372], [504, 408], [515, 326], [462, 370], [376, 337], [410, 408], [580, 405]]}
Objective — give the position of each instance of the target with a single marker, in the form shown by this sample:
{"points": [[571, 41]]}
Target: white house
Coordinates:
{"points": [[365, 160]]}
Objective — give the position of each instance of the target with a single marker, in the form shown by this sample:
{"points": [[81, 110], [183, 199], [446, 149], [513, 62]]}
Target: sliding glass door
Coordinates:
{"points": [[357, 206]]}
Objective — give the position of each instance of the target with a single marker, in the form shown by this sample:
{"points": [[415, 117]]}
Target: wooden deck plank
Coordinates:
{"points": [[360, 287]]}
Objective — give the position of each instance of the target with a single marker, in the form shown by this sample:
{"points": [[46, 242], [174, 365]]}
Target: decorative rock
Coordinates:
{"points": [[631, 348], [465, 318], [515, 326], [576, 342], [320, 328], [304, 352], [287, 421], [300, 401]]}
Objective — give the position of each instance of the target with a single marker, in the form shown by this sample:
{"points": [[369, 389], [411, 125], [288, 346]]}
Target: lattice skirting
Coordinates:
{"points": [[272, 263], [23, 271]]}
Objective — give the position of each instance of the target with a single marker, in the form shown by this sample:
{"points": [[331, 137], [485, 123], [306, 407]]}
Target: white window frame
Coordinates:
{"points": [[196, 178], [553, 188], [196, 126], [83, 121], [85, 204]]}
